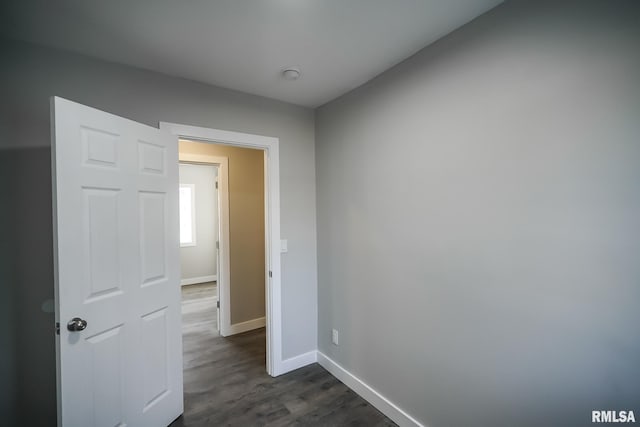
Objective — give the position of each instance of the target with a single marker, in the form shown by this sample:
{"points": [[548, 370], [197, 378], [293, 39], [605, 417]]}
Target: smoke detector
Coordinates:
{"points": [[291, 73]]}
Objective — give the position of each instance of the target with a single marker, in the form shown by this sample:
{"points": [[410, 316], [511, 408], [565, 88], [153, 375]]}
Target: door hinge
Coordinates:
{"points": [[270, 273], [57, 328], [216, 185], [217, 244], [218, 304]]}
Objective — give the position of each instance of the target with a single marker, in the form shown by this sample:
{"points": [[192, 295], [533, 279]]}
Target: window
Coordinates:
{"points": [[187, 215]]}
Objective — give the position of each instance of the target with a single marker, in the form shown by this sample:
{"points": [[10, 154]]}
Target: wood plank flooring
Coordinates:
{"points": [[226, 384]]}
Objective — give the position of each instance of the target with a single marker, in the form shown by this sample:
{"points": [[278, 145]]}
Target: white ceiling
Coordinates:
{"points": [[245, 44]]}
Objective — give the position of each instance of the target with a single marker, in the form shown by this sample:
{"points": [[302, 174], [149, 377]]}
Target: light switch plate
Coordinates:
{"points": [[284, 246]]}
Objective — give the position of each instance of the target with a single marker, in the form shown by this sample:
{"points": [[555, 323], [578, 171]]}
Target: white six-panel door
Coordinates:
{"points": [[117, 268]]}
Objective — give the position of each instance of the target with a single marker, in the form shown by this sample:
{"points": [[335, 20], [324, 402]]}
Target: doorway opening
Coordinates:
{"points": [[229, 340], [269, 147], [204, 231], [200, 233]]}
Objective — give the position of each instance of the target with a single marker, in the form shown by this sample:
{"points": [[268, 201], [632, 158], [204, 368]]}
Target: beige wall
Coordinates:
{"points": [[246, 226]]}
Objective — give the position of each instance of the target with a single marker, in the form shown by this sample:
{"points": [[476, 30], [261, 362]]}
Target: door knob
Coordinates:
{"points": [[76, 324]]}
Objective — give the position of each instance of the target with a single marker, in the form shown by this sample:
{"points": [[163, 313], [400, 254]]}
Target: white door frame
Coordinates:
{"points": [[223, 267], [270, 145]]}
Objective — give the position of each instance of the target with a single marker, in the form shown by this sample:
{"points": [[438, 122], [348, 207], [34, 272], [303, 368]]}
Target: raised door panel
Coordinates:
{"points": [[107, 393], [156, 357], [153, 225], [99, 148], [151, 158], [103, 273]]}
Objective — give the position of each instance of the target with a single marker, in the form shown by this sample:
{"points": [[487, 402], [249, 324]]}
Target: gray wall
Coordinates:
{"points": [[491, 275], [28, 77], [7, 275], [200, 260]]}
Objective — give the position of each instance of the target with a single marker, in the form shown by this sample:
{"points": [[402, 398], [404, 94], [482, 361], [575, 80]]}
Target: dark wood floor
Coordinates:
{"points": [[225, 382]]}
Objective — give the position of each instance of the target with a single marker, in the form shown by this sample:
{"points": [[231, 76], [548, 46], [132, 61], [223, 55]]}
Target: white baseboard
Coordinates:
{"points": [[196, 280], [380, 402], [238, 328], [293, 363]]}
